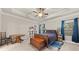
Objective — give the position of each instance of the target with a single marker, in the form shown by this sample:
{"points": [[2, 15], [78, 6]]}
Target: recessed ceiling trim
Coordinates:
{"points": [[60, 16], [13, 15]]}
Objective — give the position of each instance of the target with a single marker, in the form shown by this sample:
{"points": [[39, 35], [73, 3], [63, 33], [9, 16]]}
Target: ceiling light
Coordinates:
{"points": [[40, 14]]}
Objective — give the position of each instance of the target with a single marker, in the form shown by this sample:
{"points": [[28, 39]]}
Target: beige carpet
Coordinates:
{"points": [[25, 46]]}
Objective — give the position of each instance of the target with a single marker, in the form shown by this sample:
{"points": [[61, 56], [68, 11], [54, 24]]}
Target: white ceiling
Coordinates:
{"points": [[52, 12]]}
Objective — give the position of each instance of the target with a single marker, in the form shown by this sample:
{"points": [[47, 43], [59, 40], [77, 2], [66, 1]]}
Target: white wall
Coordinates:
{"points": [[15, 25], [0, 20], [54, 24]]}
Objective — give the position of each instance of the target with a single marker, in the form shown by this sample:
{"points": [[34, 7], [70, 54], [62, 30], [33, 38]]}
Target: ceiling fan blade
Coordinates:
{"points": [[43, 9], [36, 15], [46, 13], [40, 9], [34, 11]]}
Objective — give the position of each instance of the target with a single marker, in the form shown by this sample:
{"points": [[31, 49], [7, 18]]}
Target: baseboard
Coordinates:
{"points": [[71, 42]]}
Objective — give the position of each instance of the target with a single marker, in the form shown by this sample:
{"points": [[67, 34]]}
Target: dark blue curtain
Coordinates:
{"points": [[39, 29], [43, 28], [75, 34], [62, 30]]}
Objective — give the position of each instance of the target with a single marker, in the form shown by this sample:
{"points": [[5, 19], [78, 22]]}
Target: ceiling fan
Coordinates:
{"points": [[40, 12]]}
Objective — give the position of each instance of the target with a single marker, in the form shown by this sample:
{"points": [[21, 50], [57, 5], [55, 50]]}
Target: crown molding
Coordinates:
{"points": [[62, 15], [17, 16]]}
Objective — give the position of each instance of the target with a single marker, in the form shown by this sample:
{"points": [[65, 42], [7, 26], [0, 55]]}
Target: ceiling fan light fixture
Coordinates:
{"points": [[40, 12]]}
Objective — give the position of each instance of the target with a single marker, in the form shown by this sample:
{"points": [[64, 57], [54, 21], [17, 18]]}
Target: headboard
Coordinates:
{"points": [[52, 35]]}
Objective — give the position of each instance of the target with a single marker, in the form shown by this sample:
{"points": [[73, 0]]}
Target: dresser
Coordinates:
{"points": [[39, 41]]}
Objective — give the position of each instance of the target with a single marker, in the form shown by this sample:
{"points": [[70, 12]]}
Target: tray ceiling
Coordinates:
{"points": [[52, 12]]}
